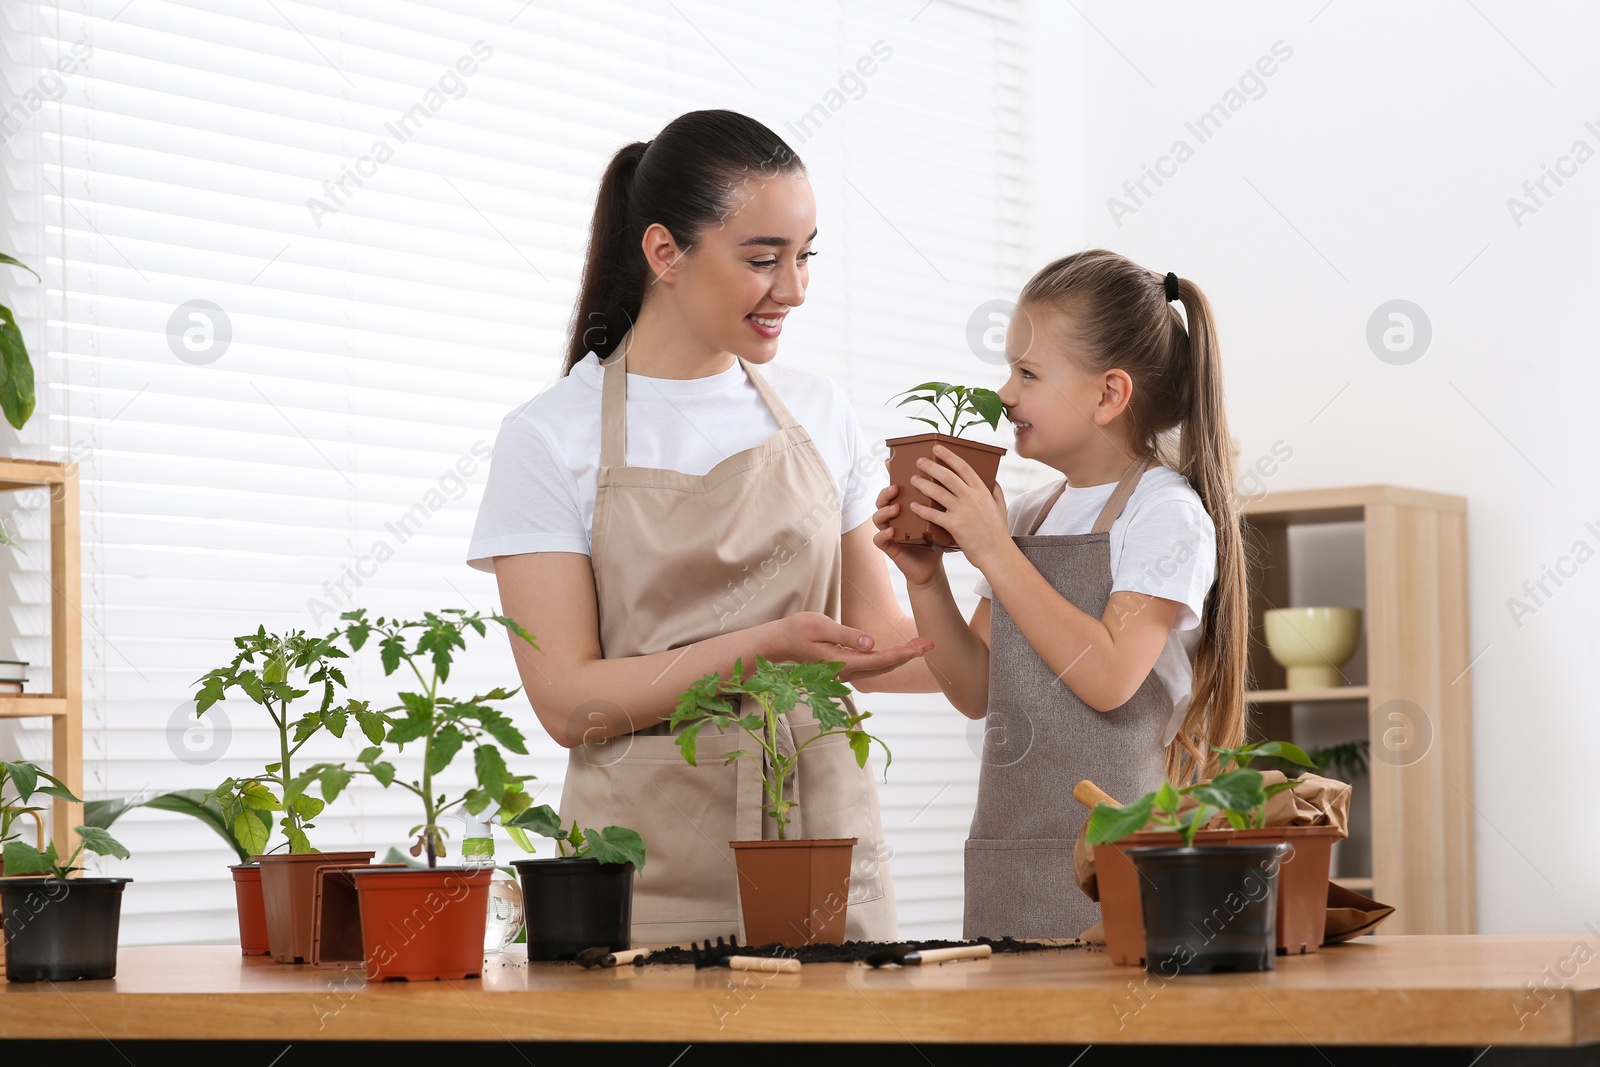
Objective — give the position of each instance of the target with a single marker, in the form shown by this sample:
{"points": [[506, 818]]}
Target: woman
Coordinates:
{"points": [[662, 514]]}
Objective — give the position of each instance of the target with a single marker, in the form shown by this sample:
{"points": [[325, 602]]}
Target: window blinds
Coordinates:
{"points": [[299, 260]]}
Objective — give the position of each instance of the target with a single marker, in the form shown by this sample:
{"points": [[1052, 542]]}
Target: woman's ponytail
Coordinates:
{"points": [[685, 179], [612, 288], [1216, 714]]}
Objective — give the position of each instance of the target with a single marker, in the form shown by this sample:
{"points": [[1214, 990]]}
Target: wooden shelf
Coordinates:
{"points": [[1339, 695], [32, 706], [1413, 577]]}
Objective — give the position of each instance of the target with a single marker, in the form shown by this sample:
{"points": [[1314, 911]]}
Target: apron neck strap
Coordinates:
{"points": [[1119, 496], [614, 409], [1113, 509], [614, 404]]}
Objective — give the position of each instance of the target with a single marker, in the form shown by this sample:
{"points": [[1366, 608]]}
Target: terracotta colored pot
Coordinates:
{"points": [[62, 930], [909, 528], [423, 924], [1302, 885], [288, 886], [252, 910], [794, 892], [575, 904]]}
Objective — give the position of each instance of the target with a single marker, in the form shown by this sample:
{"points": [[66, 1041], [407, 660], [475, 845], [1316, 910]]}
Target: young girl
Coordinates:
{"points": [[1074, 654]]}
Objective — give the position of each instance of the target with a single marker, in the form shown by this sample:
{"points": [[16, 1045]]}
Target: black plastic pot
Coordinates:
{"points": [[58, 931], [575, 904], [1209, 909]]}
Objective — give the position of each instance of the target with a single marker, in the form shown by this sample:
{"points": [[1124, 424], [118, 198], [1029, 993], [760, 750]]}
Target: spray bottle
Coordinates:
{"points": [[477, 840]]}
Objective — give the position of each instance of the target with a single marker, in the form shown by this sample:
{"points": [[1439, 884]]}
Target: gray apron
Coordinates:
{"points": [[1040, 740]]}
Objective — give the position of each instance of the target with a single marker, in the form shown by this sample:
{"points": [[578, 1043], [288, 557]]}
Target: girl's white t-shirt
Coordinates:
{"points": [[1164, 544], [541, 488]]}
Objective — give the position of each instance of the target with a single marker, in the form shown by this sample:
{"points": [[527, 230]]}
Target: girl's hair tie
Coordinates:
{"points": [[1171, 286]]}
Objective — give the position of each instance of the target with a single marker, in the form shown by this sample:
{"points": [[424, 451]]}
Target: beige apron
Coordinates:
{"points": [[679, 558], [1040, 740]]}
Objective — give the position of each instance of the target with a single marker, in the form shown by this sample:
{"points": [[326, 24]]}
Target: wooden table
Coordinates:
{"points": [[1419, 990]]}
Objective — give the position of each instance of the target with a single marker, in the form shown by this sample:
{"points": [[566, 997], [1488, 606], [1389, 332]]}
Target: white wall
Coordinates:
{"points": [[1377, 165]]}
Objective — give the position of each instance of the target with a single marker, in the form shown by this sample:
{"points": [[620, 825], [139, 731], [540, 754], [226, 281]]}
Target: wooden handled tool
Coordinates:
{"points": [[725, 954], [912, 956], [1088, 794], [604, 957]]}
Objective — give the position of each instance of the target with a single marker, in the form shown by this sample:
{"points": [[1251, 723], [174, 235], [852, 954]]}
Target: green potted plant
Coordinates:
{"points": [[19, 782], [201, 805], [262, 670], [1296, 877], [56, 930], [453, 900], [956, 409], [16, 370], [582, 897], [791, 891]]}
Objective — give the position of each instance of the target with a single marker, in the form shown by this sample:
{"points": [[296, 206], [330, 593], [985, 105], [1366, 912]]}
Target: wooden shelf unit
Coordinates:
{"points": [[63, 704], [1415, 623]]}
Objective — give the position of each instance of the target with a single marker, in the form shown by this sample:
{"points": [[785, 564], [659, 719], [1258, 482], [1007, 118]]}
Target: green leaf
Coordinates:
{"points": [[251, 832], [502, 730], [1235, 790], [18, 263], [16, 372], [393, 650], [1167, 799], [299, 844], [492, 772], [334, 779], [861, 745], [615, 844], [369, 754], [98, 839], [23, 858], [442, 749], [257, 795], [383, 772], [335, 719], [372, 723], [1108, 823], [515, 627], [24, 778], [687, 741], [520, 836], [307, 806], [541, 820], [307, 725], [987, 403]]}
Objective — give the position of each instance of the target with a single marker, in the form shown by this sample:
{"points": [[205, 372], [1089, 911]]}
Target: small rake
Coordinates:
{"points": [[726, 954]]}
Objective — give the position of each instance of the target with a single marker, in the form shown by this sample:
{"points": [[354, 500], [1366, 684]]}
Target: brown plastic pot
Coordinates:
{"points": [[288, 888], [1302, 885], [336, 915], [423, 924], [910, 528], [794, 892], [252, 910]]}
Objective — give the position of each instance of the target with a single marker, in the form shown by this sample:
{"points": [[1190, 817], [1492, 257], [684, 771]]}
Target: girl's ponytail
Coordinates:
{"points": [[1216, 714], [613, 271], [687, 178]]}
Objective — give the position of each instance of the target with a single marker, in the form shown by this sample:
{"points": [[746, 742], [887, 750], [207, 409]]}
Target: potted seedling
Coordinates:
{"points": [[955, 409], [262, 670], [1166, 912], [583, 897], [794, 891], [428, 923], [19, 782], [58, 930]]}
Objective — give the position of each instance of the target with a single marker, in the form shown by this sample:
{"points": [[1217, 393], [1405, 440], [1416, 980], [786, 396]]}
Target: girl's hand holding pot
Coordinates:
{"points": [[975, 517], [921, 566]]}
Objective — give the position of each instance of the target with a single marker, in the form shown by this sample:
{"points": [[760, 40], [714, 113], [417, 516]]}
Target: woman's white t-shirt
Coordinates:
{"points": [[541, 488], [1164, 544]]}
